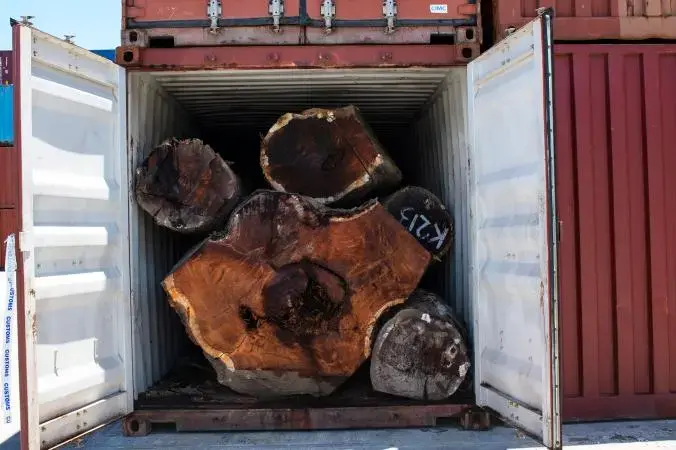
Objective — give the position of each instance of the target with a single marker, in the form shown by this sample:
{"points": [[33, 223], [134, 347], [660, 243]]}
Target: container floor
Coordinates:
{"points": [[596, 436], [193, 385]]}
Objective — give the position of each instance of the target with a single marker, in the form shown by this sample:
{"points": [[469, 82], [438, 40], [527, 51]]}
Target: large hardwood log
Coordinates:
{"points": [[329, 155], [285, 301], [420, 353], [187, 187], [425, 217]]}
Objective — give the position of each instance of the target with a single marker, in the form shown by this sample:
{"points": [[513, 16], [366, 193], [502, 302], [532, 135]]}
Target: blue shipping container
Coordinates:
{"points": [[6, 115], [108, 54]]}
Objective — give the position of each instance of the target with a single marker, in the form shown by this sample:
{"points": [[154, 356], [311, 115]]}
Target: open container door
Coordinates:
{"points": [[70, 123], [513, 220]]}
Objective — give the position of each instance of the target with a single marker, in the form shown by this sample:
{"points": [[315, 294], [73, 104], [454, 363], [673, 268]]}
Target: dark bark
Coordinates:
{"points": [[420, 353], [285, 301], [187, 187], [329, 155], [425, 217]]}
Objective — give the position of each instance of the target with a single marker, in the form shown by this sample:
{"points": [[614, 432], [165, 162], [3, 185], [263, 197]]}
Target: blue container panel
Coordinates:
{"points": [[108, 54], [6, 115]]}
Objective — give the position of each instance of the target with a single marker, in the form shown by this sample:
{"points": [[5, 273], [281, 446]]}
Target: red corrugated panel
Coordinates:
{"points": [[593, 19], [9, 188], [616, 129], [5, 67]]}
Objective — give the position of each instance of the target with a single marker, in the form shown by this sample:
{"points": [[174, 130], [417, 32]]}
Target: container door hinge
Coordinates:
{"points": [[214, 11], [25, 241], [390, 13], [276, 9], [328, 11]]}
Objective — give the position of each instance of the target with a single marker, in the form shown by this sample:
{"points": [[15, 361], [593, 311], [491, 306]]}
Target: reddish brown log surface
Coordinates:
{"points": [[285, 301], [425, 217], [329, 155], [186, 187], [420, 353]]}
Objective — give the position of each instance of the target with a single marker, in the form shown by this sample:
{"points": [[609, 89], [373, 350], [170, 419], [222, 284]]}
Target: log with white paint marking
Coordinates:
{"points": [[421, 353], [329, 155], [425, 217]]}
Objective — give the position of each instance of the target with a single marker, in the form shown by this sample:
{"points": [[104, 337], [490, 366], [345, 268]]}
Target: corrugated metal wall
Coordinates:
{"points": [[158, 336], [615, 144], [584, 20], [439, 159]]}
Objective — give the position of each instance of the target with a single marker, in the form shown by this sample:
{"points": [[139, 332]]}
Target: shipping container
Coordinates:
{"points": [[100, 338], [6, 115], [158, 23], [108, 53], [615, 134], [5, 67], [412, 21], [588, 21]]}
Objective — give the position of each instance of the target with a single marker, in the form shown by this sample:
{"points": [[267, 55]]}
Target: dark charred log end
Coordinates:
{"points": [[304, 301], [312, 156], [186, 187], [425, 217]]}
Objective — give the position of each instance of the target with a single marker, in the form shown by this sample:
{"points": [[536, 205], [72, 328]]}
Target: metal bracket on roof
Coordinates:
{"points": [[214, 11], [328, 11], [276, 10], [390, 13]]}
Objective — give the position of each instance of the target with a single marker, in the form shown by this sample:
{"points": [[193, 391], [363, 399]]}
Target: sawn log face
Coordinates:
{"points": [[284, 302], [186, 187], [420, 353], [329, 155]]}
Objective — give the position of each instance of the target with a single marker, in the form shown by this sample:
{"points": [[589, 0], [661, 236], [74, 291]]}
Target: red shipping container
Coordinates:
{"points": [[5, 67], [615, 112], [411, 21], [181, 23], [586, 20], [9, 188]]}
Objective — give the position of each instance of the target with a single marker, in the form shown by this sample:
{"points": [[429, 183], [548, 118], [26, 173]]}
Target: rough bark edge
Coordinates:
{"points": [[180, 303]]}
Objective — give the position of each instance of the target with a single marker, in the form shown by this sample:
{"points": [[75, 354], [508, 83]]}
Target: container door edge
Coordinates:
{"points": [[514, 293]]}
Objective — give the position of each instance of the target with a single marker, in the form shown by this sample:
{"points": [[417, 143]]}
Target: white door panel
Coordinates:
{"points": [[512, 210], [74, 237]]}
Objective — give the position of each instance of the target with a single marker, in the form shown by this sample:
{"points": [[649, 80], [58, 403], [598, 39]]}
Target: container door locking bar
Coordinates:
{"points": [[276, 10], [390, 13], [328, 11], [214, 11]]}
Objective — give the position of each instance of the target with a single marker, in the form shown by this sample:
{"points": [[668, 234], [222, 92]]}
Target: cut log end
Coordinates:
{"points": [[420, 353], [285, 298], [425, 217], [329, 155], [186, 187]]}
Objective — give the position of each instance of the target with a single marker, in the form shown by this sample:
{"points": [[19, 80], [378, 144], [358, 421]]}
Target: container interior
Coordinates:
{"points": [[419, 115]]}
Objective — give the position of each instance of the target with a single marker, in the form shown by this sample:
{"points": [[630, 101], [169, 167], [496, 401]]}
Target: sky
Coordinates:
{"points": [[95, 23]]}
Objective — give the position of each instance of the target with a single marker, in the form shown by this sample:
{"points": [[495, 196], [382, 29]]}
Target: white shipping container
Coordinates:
{"points": [[98, 329]]}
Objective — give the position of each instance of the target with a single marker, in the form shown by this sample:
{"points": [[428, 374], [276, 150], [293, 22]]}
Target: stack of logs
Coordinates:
{"points": [[289, 293]]}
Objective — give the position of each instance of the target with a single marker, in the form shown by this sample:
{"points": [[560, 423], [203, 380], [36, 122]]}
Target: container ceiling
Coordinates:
{"points": [[389, 98]]}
